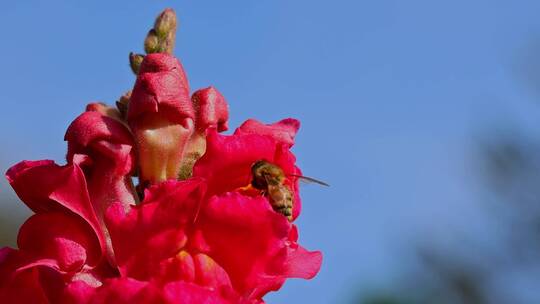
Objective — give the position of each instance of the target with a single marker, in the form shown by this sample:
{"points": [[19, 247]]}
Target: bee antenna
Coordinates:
{"points": [[309, 179]]}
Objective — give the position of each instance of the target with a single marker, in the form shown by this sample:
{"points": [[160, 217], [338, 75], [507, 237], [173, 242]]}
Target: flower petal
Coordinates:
{"points": [[248, 239], [282, 131], [92, 126], [184, 292], [25, 288], [155, 230], [212, 109], [59, 236], [226, 165], [55, 188], [126, 290], [161, 84]]}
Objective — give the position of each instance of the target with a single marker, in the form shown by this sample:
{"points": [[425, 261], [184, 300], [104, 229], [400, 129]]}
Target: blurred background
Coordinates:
{"points": [[424, 116]]}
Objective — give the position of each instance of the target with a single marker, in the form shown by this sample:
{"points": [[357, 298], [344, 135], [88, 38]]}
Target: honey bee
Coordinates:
{"points": [[270, 179]]}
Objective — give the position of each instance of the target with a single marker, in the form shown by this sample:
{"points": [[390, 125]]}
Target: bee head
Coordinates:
{"points": [[264, 173]]}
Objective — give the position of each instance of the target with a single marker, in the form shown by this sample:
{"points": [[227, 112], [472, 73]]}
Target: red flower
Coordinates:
{"points": [[161, 116], [205, 231], [198, 231]]}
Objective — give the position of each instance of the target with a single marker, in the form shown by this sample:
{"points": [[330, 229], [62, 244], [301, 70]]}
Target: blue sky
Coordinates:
{"points": [[392, 96]]}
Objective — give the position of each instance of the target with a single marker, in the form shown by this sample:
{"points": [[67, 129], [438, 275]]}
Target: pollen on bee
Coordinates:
{"points": [[249, 190]]}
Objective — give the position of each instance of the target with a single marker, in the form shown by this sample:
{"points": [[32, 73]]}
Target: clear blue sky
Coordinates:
{"points": [[391, 95]]}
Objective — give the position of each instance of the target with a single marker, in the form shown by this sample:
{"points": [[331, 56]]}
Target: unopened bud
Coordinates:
{"points": [[135, 61], [165, 23], [151, 43], [167, 45], [122, 104]]}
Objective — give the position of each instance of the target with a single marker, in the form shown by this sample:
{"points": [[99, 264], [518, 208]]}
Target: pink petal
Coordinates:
{"points": [[55, 188], [59, 236], [211, 108], [161, 86], [282, 131], [155, 230], [226, 165]]}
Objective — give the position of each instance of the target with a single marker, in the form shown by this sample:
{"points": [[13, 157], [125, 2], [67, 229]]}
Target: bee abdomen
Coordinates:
{"points": [[283, 209]]}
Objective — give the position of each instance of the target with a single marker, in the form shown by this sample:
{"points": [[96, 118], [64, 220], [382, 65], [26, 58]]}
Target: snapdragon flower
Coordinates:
{"points": [[192, 231]]}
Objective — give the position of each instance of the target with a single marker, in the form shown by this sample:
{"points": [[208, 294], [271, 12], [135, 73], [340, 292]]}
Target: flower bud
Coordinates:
{"points": [[167, 44], [122, 104], [161, 38], [151, 43], [165, 23], [135, 61]]}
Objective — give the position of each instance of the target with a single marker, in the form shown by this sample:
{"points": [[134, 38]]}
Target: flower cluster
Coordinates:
{"points": [[194, 229]]}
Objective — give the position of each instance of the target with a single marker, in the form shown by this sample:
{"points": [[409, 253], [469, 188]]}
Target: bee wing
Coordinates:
{"points": [[309, 180]]}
